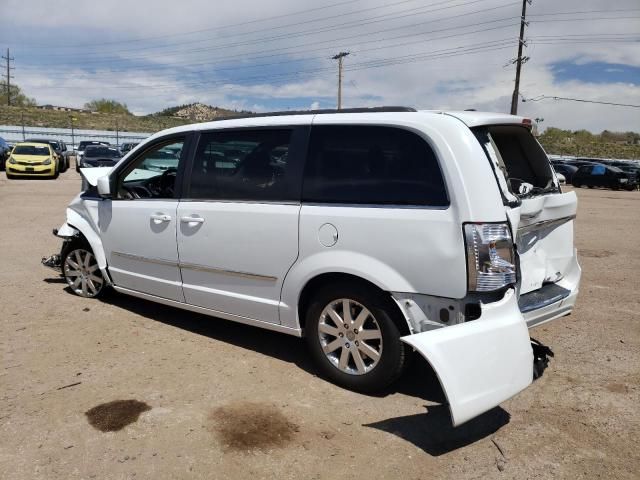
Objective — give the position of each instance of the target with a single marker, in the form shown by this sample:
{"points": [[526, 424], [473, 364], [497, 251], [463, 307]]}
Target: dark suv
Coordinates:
{"points": [[100, 156], [603, 176], [81, 148], [4, 152]]}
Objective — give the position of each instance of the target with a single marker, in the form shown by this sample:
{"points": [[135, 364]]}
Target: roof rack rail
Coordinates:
{"points": [[320, 112]]}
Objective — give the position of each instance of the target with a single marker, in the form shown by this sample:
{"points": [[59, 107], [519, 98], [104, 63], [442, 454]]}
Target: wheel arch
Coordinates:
{"points": [[75, 221], [319, 281]]}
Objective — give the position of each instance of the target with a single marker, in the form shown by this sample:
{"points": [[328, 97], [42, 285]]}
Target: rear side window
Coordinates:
{"points": [[372, 165], [252, 165]]}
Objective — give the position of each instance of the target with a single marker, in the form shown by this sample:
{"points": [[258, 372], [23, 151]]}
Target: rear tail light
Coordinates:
{"points": [[490, 256]]}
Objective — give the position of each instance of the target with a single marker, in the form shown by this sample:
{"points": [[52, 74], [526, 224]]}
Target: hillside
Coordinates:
{"points": [[579, 143], [171, 117], [582, 143], [197, 112]]}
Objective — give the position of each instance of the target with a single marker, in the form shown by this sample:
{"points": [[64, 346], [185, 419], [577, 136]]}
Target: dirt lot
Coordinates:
{"points": [[206, 398]]}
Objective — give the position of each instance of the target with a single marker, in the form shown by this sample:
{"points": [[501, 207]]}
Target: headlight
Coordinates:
{"points": [[12, 160], [86, 165], [47, 162], [490, 256]]}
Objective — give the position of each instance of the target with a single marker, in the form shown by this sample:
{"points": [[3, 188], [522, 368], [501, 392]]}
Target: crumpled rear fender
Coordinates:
{"points": [[480, 363]]}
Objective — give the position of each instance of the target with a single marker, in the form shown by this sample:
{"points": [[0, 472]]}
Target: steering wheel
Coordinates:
{"points": [[167, 181]]}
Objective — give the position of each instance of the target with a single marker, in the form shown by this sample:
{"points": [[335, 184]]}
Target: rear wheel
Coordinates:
{"points": [[352, 337], [81, 271]]}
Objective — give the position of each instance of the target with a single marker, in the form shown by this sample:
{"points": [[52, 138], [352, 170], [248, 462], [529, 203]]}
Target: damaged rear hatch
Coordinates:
{"points": [[541, 217]]}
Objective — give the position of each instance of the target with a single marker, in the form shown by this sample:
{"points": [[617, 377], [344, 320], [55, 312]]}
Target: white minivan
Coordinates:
{"points": [[370, 232]]}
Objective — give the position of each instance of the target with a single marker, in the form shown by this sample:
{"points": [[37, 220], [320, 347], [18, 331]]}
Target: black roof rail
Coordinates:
{"points": [[318, 112]]}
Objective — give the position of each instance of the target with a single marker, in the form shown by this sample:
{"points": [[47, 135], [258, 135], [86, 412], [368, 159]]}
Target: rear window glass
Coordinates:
{"points": [[518, 155], [372, 165]]}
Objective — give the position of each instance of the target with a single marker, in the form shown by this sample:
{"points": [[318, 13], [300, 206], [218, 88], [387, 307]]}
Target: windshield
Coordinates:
{"points": [[101, 152], [31, 150]]}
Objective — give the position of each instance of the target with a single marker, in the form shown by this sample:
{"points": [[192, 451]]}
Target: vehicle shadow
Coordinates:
{"points": [[430, 431], [433, 432], [418, 380]]}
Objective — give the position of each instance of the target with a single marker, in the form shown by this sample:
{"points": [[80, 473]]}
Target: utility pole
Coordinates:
{"points": [[339, 57], [8, 75], [73, 140], [520, 60]]}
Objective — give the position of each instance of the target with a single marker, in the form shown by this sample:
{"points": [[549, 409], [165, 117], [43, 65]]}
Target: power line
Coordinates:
{"points": [[302, 33], [321, 49], [444, 53], [192, 32], [582, 100]]}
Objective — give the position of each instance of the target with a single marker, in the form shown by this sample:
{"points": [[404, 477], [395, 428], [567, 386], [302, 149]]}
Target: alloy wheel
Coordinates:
{"points": [[350, 336], [82, 273]]}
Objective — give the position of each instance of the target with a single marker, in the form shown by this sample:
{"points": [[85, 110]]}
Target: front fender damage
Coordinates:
{"points": [[480, 363]]}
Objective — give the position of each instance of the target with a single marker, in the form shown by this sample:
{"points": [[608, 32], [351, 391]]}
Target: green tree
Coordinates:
{"points": [[17, 97], [104, 105]]}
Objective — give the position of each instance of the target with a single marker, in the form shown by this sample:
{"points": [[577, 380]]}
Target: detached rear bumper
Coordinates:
{"points": [[480, 363]]}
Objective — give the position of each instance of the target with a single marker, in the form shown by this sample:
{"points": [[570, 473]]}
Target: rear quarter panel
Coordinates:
{"points": [[401, 249]]}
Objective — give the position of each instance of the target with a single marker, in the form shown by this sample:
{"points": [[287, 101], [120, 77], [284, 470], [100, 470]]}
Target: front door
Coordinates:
{"points": [[238, 222], [138, 226]]}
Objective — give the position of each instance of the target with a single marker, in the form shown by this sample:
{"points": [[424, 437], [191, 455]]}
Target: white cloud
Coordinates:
{"points": [[164, 71]]}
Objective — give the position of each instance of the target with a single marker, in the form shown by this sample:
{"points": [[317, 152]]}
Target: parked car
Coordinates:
{"points": [[603, 176], [4, 152], [126, 147], [369, 232], [81, 147], [566, 170], [29, 159], [57, 148], [100, 156]]}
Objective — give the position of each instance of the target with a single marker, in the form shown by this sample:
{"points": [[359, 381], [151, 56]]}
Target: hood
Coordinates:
{"points": [[30, 158], [95, 160], [91, 175]]}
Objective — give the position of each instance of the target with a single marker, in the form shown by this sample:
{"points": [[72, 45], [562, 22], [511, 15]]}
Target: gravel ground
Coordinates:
{"points": [[206, 398]]}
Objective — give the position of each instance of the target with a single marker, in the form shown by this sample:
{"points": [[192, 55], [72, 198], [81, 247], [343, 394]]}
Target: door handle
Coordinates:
{"points": [[160, 217], [192, 219]]}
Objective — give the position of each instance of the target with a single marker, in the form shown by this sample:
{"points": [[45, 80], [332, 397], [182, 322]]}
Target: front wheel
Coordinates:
{"points": [[81, 271], [352, 337]]}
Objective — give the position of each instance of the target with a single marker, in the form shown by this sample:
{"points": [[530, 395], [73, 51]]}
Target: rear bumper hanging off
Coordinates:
{"points": [[480, 363]]}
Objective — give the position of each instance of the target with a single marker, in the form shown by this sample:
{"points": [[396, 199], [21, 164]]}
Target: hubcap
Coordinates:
{"points": [[82, 273], [350, 336]]}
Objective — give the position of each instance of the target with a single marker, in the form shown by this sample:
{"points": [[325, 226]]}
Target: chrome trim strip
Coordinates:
{"points": [[139, 258], [297, 332], [195, 266], [556, 222], [202, 268]]}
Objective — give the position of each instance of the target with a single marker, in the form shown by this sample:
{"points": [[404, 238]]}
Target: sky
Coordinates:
{"points": [[276, 55]]}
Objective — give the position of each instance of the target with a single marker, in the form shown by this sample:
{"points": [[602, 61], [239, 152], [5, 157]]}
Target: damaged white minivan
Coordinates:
{"points": [[370, 232]]}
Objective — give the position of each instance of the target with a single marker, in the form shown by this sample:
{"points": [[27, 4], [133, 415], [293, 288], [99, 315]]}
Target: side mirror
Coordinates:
{"points": [[104, 187]]}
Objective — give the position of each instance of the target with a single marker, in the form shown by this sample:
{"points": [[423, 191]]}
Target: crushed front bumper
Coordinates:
{"points": [[480, 363]]}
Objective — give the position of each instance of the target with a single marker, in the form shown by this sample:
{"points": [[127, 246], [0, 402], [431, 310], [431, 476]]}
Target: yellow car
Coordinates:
{"points": [[29, 159]]}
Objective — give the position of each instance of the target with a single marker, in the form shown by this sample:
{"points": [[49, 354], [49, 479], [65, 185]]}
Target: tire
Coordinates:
{"points": [[577, 185], [348, 364], [81, 272]]}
